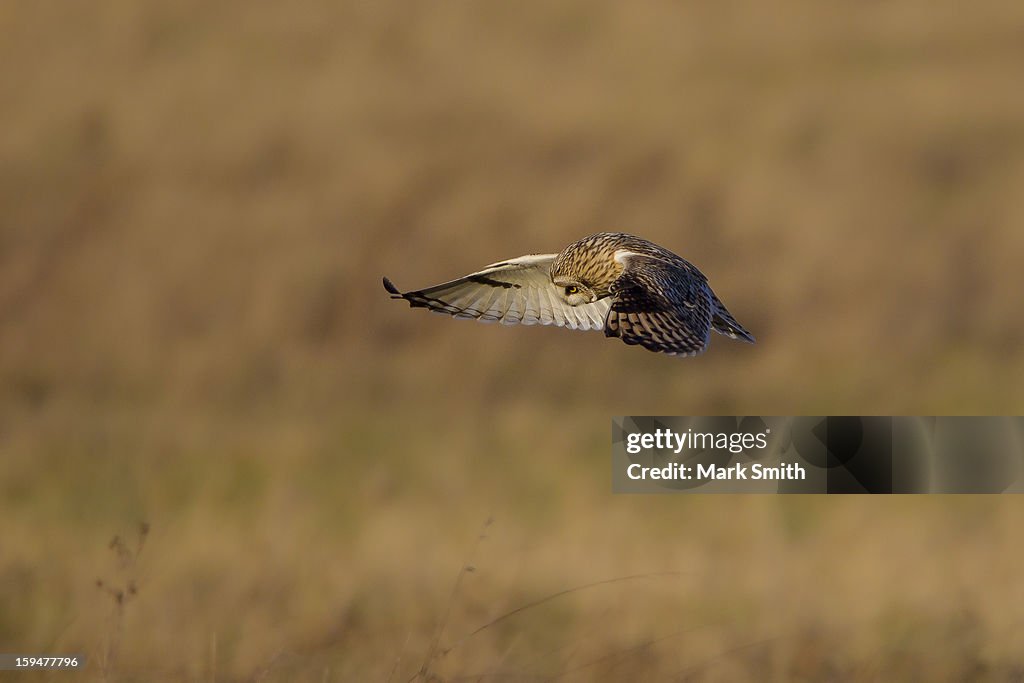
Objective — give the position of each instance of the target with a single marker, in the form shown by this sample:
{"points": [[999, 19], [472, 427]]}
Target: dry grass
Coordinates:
{"points": [[197, 201]]}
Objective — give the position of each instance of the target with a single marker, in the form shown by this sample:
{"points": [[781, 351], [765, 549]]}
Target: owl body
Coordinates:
{"points": [[630, 287]]}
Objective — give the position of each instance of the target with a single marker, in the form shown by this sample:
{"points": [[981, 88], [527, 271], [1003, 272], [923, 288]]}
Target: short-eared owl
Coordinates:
{"points": [[629, 287]]}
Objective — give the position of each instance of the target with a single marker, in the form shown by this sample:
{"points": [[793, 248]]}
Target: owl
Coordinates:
{"points": [[627, 286]]}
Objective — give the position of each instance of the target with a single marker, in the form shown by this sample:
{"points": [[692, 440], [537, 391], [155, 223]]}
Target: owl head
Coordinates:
{"points": [[574, 292]]}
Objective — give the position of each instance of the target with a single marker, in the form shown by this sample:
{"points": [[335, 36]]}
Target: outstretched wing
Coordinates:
{"points": [[518, 291], [660, 304]]}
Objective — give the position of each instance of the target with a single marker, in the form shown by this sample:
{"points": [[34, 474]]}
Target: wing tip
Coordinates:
{"points": [[744, 336], [728, 326], [391, 289]]}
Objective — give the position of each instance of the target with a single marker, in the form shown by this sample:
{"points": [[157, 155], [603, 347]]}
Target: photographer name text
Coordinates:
{"points": [[712, 472]]}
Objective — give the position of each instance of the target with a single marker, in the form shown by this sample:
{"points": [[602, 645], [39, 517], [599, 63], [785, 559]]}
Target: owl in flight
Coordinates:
{"points": [[631, 288]]}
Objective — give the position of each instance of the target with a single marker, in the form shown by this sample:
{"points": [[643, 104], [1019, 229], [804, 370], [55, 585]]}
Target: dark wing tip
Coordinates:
{"points": [[740, 334], [392, 290]]}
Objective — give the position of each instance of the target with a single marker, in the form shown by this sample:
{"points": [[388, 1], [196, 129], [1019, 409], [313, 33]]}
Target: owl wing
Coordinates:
{"points": [[660, 304], [517, 291]]}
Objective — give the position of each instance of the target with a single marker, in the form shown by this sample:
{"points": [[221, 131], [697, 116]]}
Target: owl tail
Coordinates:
{"points": [[723, 323]]}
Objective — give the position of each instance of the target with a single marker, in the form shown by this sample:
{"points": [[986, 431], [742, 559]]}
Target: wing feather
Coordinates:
{"points": [[532, 314], [547, 316], [551, 313], [514, 314], [488, 309]]}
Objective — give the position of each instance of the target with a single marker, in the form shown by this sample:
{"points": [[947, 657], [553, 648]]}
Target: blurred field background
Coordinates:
{"points": [[198, 201]]}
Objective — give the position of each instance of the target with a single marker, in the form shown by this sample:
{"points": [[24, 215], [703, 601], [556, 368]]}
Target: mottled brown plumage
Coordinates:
{"points": [[631, 288]]}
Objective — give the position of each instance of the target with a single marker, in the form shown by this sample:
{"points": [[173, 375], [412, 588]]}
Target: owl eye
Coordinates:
{"points": [[571, 289]]}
